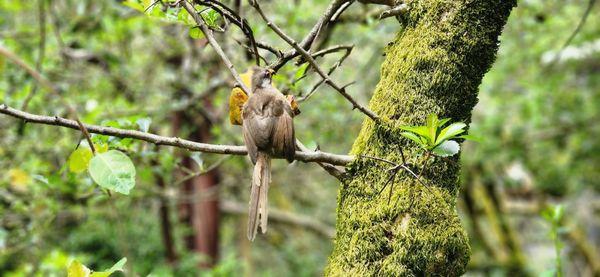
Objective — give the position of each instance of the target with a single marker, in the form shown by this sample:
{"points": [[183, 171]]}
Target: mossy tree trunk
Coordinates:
{"points": [[434, 65]]}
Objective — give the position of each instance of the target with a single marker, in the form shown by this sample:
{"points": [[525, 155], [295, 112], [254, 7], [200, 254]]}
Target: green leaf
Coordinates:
{"points": [[134, 5], [76, 269], [414, 138], [210, 18], [547, 214], [419, 130], [196, 33], [450, 132], [446, 149], [101, 147], [432, 126], [184, 17], [113, 170], [559, 211], [443, 121], [117, 267], [300, 72], [79, 159]]}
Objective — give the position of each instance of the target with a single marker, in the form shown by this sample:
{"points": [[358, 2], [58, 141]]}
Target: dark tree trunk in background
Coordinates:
{"points": [[166, 227], [434, 65], [200, 207]]}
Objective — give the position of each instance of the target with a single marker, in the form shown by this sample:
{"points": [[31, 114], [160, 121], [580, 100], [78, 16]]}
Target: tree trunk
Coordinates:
{"points": [[434, 65], [202, 211]]}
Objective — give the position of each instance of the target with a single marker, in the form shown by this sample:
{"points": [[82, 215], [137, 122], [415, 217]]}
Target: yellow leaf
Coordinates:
{"points": [[76, 269], [237, 98], [79, 159], [18, 177], [101, 148]]}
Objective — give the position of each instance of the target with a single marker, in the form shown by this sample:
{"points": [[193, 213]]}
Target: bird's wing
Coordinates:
{"points": [[284, 141], [259, 119], [249, 141]]}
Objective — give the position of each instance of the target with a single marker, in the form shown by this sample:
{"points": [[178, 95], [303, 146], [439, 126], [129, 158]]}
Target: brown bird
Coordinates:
{"points": [[268, 130]]}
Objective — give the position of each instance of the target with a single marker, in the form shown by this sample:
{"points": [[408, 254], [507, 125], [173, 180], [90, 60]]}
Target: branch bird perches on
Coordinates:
{"points": [[304, 156]]}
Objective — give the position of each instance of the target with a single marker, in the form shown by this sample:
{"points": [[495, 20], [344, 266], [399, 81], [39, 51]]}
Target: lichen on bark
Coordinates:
{"points": [[434, 65]]}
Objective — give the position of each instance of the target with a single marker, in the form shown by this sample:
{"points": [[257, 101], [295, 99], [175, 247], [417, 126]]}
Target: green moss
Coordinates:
{"points": [[434, 65]]}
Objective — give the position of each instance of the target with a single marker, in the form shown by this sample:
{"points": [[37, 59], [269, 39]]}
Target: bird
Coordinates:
{"points": [[268, 129]]}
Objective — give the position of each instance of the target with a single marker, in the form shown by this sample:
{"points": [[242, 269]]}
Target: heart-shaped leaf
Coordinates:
{"points": [[113, 170], [446, 149]]}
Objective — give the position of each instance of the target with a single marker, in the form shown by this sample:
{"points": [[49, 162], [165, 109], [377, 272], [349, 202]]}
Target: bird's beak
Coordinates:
{"points": [[271, 72]]}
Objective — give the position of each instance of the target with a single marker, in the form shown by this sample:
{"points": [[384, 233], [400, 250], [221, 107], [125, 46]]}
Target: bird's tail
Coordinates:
{"points": [[258, 213]]}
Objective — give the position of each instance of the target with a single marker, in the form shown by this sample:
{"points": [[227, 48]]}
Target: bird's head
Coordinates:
{"points": [[261, 77]]}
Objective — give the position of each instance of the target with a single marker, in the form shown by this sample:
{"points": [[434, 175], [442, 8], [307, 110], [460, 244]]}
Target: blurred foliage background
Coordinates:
{"points": [[537, 115]]}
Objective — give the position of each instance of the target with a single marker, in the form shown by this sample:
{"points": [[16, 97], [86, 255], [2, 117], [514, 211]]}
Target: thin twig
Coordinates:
{"points": [[44, 82], [201, 172], [308, 40], [211, 39], [41, 51], [236, 19], [151, 5], [314, 64], [582, 21], [425, 162], [323, 52], [250, 50], [317, 156], [333, 49], [331, 70], [396, 167]]}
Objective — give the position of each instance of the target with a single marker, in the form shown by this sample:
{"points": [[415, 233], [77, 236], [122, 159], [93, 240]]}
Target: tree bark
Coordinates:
{"points": [[434, 65]]}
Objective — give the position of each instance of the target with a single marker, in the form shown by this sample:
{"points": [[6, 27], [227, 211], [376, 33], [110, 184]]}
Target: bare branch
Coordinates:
{"points": [[316, 156], [331, 70], [582, 21], [306, 43], [234, 17], [332, 170], [314, 64], [379, 2], [213, 42], [395, 11], [333, 49]]}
